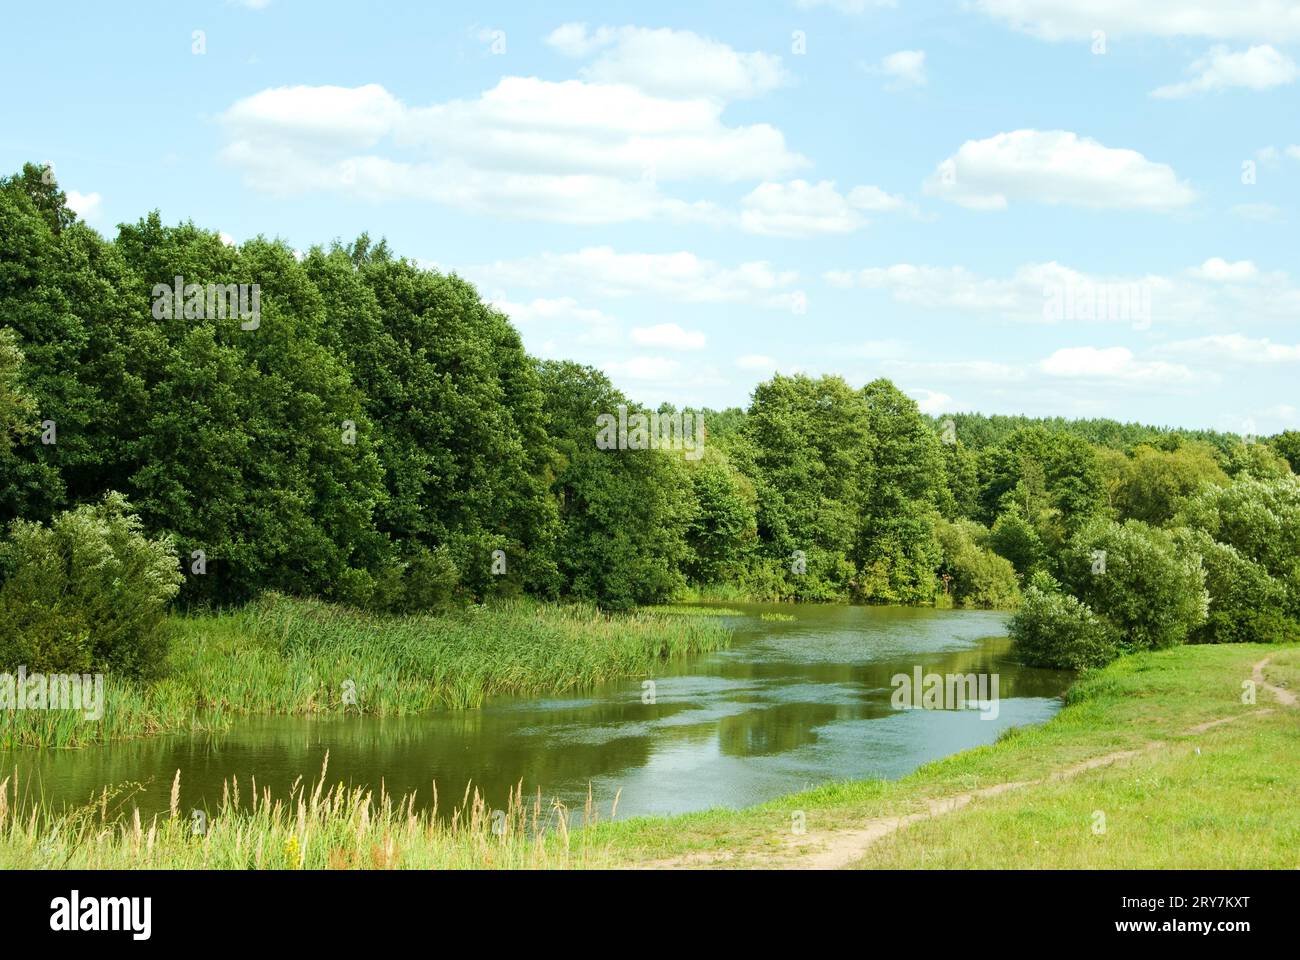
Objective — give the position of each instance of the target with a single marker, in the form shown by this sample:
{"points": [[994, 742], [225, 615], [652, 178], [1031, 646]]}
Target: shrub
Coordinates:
{"points": [[86, 593], [979, 577], [1053, 629], [1137, 578], [1245, 602]]}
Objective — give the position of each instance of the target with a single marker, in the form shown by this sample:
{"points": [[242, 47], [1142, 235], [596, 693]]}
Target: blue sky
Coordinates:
{"points": [[691, 196]]}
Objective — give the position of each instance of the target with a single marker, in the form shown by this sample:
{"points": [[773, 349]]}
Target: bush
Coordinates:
{"points": [[979, 577], [1245, 602], [1138, 579], [1056, 630], [88, 593]]}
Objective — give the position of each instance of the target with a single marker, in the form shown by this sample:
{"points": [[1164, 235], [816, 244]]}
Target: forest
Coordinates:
{"points": [[380, 440]]}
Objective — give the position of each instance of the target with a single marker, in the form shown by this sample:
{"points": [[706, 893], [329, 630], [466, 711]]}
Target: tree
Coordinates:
{"points": [[1157, 480], [623, 513], [1136, 578], [807, 448]]}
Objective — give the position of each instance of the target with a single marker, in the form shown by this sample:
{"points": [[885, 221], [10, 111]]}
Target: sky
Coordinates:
{"points": [[1080, 208]]}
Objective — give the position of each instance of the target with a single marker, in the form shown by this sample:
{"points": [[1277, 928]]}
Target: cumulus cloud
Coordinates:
{"points": [[644, 368], [1275, 20], [905, 68], [1235, 348], [846, 6], [1112, 363], [1055, 167], [670, 336], [669, 63], [85, 205], [570, 151], [1216, 268], [756, 361], [800, 208], [561, 317], [681, 276], [1258, 68], [1052, 292]]}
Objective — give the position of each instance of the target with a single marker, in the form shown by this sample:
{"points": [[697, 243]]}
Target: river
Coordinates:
{"points": [[789, 705]]}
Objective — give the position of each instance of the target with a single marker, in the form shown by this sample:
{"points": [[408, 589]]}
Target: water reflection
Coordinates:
{"points": [[787, 706]]}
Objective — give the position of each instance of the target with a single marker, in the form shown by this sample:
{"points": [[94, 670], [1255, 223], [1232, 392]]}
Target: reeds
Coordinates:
{"points": [[286, 656], [314, 827]]}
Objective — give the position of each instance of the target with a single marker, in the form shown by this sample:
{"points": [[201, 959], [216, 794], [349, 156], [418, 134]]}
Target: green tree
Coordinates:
{"points": [[624, 513], [1137, 578]]}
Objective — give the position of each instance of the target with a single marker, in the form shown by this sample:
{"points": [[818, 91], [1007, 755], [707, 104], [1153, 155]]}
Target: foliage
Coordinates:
{"points": [[1053, 629], [87, 593]]}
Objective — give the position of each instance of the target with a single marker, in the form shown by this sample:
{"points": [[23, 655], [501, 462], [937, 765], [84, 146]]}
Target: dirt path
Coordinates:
{"points": [[839, 848], [1284, 696]]}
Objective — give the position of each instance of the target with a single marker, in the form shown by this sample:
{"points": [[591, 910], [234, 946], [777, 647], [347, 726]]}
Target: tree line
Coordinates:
{"points": [[382, 439]]}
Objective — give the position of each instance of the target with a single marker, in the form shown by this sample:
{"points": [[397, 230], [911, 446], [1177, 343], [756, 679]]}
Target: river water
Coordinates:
{"points": [[787, 706]]}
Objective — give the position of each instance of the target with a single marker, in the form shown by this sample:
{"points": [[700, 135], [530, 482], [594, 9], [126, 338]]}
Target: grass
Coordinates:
{"points": [[1229, 806], [314, 828], [304, 657]]}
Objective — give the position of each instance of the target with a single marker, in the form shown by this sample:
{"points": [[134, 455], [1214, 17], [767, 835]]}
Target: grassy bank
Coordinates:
{"points": [[1161, 744], [300, 657]]}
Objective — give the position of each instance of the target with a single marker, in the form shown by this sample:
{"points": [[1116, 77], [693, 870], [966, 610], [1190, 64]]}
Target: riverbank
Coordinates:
{"points": [[1182, 772], [285, 656]]}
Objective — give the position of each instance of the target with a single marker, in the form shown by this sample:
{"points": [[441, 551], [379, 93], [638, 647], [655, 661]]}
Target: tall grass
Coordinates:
{"points": [[314, 827], [280, 655]]}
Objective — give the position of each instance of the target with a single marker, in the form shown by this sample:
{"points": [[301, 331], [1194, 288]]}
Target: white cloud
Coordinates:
{"points": [[756, 361], [1259, 68], [1112, 363], [846, 6], [1235, 348], [1276, 20], [562, 316], [1055, 167], [85, 205], [669, 335], [644, 368], [1051, 292], [905, 68], [681, 276], [1293, 151], [570, 151], [966, 371], [1259, 212], [227, 239], [801, 209], [1218, 269], [670, 63], [931, 401]]}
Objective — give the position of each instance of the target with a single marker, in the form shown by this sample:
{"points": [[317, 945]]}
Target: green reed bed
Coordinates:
{"points": [[314, 827], [287, 656]]}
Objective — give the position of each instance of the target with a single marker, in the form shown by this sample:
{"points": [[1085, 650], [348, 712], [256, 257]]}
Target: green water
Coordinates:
{"points": [[789, 705]]}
